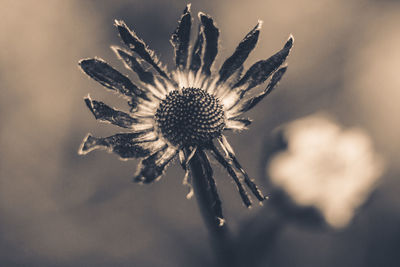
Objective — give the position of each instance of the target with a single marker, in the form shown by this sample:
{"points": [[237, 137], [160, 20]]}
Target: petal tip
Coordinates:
{"points": [[89, 104], [289, 42], [87, 98], [115, 48], [119, 23], [189, 195], [259, 24], [84, 62], [282, 69], [83, 148], [117, 51], [203, 16], [221, 222], [187, 9]]}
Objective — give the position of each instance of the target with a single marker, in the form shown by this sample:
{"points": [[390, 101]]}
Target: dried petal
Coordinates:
{"points": [[204, 184], [197, 52], [184, 159], [227, 165], [105, 113], [240, 55], [211, 34], [138, 46], [230, 154], [216, 204], [110, 78], [261, 70], [250, 103], [180, 39], [131, 63], [126, 145], [152, 168]]}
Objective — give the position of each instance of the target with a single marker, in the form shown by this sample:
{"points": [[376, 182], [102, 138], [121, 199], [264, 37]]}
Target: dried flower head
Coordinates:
{"points": [[327, 167], [186, 110]]}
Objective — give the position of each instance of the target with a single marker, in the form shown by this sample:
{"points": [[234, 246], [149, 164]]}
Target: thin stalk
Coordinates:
{"points": [[210, 209]]}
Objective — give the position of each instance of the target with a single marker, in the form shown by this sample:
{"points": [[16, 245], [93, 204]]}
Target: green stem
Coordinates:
{"points": [[220, 237]]}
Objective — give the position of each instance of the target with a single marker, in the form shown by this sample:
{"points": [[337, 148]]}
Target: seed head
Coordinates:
{"points": [[190, 116]]}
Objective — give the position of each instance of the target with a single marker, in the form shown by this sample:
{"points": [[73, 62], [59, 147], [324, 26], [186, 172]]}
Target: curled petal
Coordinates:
{"points": [[126, 145], [249, 182], [227, 165], [230, 154], [138, 46], [110, 78], [184, 158], [180, 39], [131, 63], [261, 70], [152, 168], [105, 113], [252, 102], [197, 52], [205, 187], [240, 55], [211, 34], [186, 179]]}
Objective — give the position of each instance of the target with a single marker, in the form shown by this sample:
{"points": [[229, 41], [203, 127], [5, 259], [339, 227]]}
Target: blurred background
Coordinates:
{"points": [[61, 209]]}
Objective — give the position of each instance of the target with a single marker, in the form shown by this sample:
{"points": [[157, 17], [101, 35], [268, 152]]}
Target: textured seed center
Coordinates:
{"points": [[190, 117]]}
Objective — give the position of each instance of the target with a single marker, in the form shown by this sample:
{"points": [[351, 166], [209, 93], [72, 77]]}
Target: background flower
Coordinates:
{"points": [[328, 167]]}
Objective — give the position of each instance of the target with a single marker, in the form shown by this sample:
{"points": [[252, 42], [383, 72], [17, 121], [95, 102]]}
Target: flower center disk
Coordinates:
{"points": [[190, 116]]}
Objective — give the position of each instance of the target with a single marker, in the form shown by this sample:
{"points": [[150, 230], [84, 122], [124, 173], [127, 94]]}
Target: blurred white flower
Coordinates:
{"points": [[325, 166]]}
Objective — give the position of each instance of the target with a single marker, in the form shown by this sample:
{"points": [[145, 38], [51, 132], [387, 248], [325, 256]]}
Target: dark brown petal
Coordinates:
{"points": [[105, 113], [227, 165], [261, 70], [185, 156], [126, 145], [197, 52], [240, 55], [152, 168], [110, 78], [205, 187], [180, 39], [132, 63], [138, 46], [211, 34], [230, 154], [252, 102]]}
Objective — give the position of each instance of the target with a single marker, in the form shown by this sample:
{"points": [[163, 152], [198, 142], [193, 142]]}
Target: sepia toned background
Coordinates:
{"points": [[61, 209]]}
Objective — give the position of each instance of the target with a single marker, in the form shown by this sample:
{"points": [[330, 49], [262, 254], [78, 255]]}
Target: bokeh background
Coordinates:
{"points": [[61, 209]]}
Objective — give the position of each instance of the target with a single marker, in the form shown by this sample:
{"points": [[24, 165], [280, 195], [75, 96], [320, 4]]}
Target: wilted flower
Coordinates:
{"points": [[325, 166], [187, 110]]}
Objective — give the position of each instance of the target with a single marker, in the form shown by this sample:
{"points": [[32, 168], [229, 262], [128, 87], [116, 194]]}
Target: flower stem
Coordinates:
{"points": [[210, 208]]}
